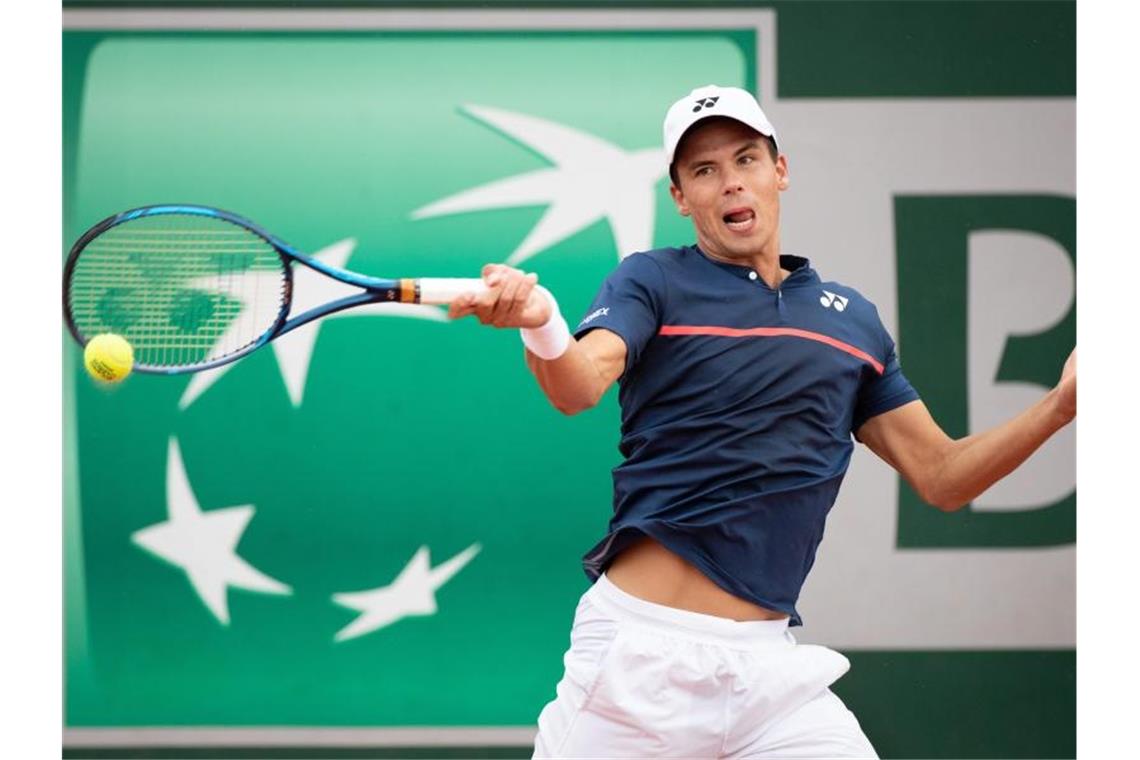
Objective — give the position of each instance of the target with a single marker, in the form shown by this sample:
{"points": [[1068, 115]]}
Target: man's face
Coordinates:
{"points": [[731, 187]]}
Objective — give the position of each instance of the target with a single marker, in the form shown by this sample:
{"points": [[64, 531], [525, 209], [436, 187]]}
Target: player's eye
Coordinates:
{"points": [[746, 159], [703, 171]]}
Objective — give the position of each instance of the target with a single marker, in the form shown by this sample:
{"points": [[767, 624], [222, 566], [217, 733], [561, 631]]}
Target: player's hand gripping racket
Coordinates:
{"points": [[192, 287]]}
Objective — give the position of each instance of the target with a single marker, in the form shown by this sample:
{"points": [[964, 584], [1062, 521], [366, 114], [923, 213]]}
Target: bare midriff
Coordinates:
{"points": [[651, 572]]}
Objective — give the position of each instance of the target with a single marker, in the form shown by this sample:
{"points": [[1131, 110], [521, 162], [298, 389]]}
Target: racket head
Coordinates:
{"points": [[189, 287]]}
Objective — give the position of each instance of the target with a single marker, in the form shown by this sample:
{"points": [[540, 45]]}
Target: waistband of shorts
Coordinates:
{"points": [[623, 606]]}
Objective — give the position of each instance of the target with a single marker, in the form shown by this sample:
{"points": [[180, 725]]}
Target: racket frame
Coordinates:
{"points": [[375, 289]]}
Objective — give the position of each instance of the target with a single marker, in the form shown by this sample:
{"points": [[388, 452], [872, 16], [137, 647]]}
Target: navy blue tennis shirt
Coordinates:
{"points": [[738, 406]]}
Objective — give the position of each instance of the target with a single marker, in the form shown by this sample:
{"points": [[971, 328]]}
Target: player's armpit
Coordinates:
{"points": [[578, 379], [909, 440]]}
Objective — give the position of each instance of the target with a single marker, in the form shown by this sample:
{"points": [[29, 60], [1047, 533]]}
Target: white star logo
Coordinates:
{"points": [[592, 179], [412, 593], [294, 350], [204, 543]]}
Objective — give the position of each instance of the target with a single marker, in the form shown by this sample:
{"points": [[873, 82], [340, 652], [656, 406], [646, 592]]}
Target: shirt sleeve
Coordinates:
{"points": [[629, 304], [880, 393]]}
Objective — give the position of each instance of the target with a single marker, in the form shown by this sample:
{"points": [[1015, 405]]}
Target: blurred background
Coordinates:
{"points": [[932, 157]]}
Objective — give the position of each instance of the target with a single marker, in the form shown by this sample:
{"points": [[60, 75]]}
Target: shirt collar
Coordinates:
{"points": [[799, 269]]}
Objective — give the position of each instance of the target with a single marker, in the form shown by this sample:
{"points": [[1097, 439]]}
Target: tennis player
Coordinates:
{"points": [[743, 378]]}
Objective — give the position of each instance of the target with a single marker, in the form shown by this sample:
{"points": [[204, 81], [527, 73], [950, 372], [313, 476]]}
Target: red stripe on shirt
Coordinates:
{"points": [[768, 332]]}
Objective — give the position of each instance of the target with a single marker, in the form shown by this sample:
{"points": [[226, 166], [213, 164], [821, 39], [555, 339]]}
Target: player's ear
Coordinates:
{"points": [[783, 179], [679, 200]]}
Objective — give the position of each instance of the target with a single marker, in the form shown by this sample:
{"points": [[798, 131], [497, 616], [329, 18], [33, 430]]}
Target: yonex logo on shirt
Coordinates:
{"points": [[594, 315], [705, 103], [829, 299]]}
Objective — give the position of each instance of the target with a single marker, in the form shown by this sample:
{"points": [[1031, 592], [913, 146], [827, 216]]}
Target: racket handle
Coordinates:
{"points": [[444, 290]]}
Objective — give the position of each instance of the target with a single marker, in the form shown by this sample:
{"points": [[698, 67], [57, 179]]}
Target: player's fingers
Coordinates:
{"points": [[483, 313], [462, 306], [487, 302], [519, 305], [483, 304], [494, 274], [506, 299]]}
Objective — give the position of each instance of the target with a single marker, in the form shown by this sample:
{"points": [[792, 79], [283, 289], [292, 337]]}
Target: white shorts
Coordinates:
{"points": [[644, 680]]}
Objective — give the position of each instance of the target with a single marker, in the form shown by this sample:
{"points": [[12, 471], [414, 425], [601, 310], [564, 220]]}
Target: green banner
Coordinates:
{"points": [[376, 519]]}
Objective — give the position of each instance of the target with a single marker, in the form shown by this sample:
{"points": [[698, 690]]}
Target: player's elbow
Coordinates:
{"points": [[933, 477], [575, 405], [573, 398], [940, 498], [570, 409], [949, 504]]}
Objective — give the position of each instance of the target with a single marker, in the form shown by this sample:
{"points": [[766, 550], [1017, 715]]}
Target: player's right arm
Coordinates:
{"points": [[579, 378], [576, 379]]}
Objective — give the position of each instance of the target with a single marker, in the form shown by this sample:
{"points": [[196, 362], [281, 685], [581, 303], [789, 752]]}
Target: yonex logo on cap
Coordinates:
{"points": [[705, 103]]}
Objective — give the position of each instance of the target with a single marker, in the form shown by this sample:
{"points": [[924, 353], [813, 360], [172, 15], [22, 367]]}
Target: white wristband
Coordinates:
{"points": [[552, 339]]}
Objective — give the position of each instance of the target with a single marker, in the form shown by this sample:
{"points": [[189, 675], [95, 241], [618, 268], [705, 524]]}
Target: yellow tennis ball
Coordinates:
{"points": [[108, 358]]}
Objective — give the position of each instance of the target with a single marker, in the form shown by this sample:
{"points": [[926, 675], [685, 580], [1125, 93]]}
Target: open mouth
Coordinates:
{"points": [[740, 219]]}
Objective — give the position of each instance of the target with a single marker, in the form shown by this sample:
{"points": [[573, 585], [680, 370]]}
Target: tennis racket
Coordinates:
{"points": [[193, 287]]}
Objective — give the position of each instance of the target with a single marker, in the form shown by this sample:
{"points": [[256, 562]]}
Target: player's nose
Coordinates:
{"points": [[733, 186], [732, 182]]}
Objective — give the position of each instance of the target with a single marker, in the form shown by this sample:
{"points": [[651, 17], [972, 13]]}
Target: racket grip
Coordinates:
{"points": [[444, 290]]}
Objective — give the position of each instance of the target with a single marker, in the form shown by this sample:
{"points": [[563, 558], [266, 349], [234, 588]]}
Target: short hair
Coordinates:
{"points": [[773, 151]]}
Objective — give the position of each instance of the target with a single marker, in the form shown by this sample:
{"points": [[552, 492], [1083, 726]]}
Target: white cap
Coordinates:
{"points": [[711, 100]]}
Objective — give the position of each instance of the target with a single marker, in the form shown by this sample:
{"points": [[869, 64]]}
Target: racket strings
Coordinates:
{"points": [[183, 289]]}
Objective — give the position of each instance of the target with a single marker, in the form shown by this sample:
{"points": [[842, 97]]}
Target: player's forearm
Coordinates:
{"points": [[971, 465], [572, 382]]}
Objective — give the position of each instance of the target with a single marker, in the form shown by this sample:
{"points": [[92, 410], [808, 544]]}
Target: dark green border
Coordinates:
{"points": [[965, 704], [865, 49]]}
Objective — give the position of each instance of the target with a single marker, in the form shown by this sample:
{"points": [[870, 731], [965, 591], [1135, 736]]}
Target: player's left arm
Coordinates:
{"points": [[950, 473]]}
